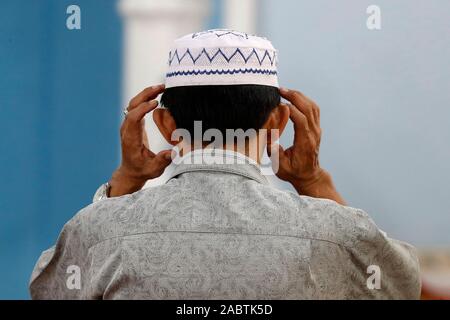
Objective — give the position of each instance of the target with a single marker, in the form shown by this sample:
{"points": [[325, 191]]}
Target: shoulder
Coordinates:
{"points": [[113, 217], [322, 219]]}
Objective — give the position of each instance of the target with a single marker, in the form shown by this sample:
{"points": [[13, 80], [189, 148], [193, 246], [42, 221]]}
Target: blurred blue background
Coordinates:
{"points": [[384, 97], [60, 97], [60, 109]]}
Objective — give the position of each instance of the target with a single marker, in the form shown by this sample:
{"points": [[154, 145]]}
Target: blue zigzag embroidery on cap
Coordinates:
{"points": [[221, 32], [213, 72], [188, 53]]}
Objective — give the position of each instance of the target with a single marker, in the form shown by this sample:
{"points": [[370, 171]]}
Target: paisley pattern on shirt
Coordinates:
{"points": [[222, 232]]}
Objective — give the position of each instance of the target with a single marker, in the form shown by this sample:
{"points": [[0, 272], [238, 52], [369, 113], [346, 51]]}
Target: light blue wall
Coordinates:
{"points": [[385, 100], [59, 117]]}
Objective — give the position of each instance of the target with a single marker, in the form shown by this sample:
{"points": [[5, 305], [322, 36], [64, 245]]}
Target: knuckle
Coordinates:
{"points": [[296, 95], [132, 102], [125, 141], [147, 92], [143, 91], [303, 118], [311, 142], [122, 130], [309, 104], [133, 117], [149, 89], [142, 105]]}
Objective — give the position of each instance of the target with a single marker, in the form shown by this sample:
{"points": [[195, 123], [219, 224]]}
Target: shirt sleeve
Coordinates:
{"points": [[390, 267], [60, 272]]}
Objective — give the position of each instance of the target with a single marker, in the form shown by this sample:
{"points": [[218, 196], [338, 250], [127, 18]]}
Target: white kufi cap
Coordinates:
{"points": [[221, 57]]}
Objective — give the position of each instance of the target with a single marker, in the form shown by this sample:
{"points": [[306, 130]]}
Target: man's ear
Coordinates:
{"points": [[277, 120], [165, 123]]}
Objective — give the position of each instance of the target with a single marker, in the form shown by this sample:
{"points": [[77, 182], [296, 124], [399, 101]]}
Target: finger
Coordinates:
{"points": [[144, 134], [273, 149], [302, 103], [277, 155], [164, 155], [156, 165], [301, 126], [145, 95], [148, 153], [138, 113], [297, 98], [161, 160], [133, 130], [317, 114]]}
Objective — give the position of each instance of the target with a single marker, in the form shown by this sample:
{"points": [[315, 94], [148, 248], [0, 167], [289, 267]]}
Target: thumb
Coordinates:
{"points": [[163, 158], [158, 164], [278, 157], [275, 150]]}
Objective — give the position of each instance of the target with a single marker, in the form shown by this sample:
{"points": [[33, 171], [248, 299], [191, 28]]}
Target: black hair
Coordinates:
{"points": [[221, 106]]}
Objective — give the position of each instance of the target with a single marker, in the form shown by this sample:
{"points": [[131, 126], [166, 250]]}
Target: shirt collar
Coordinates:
{"points": [[218, 160]]}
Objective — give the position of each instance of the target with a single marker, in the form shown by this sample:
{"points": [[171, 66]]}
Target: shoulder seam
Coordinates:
{"points": [[211, 232]]}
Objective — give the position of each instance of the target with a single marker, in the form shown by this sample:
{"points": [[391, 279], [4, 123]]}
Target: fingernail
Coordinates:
{"points": [[153, 103], [284, 90], [168, 156]]}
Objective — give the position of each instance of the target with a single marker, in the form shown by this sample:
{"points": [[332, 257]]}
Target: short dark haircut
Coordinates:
{"points": [[221, 106]]}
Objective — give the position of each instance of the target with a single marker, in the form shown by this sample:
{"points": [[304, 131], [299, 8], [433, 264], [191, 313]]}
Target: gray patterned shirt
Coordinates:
{"points": [[221, 231]]}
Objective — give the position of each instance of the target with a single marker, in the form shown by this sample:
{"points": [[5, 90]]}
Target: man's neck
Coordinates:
{"points": [[250, 150]]}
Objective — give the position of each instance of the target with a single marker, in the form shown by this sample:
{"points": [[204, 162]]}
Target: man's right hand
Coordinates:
{"points": [[139, 163]]}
